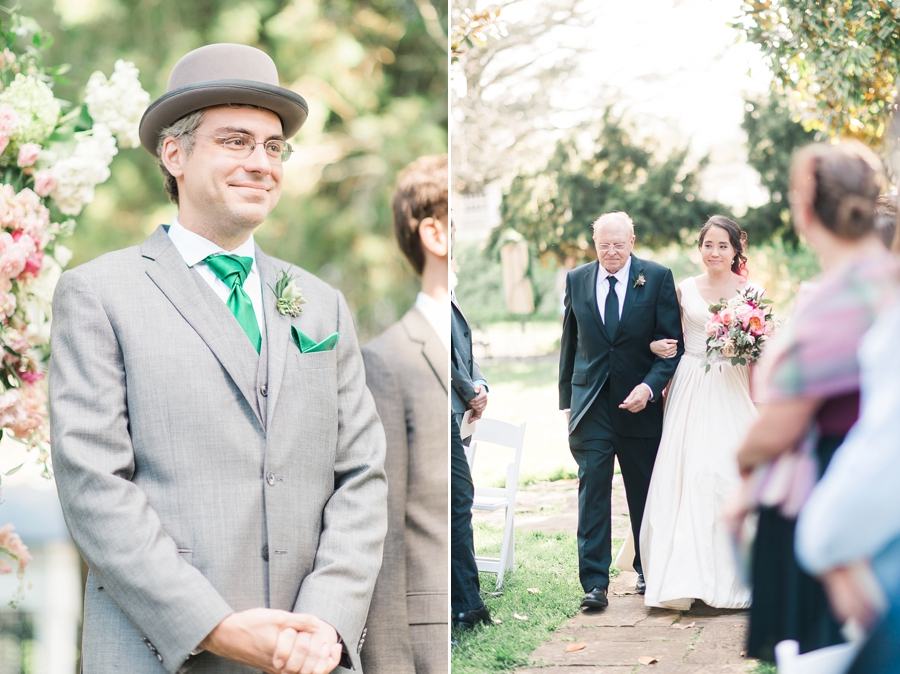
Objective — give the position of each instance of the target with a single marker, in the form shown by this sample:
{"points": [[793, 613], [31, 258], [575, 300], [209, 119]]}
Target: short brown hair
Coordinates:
{"points": [[421, 193]]}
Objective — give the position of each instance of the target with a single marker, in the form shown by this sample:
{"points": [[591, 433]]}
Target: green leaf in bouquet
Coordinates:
{"points": [[705, 365], [13, 471], [737, 361], [84, 122], [767, 301]]}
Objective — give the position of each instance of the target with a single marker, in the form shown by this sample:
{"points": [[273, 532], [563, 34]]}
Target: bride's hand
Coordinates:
{"points": [[664, 348]]}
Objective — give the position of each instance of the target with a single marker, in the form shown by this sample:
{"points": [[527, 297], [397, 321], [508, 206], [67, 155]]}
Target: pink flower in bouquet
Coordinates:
{"points": [[28, 154], [9, 399], [712, 326], [743, 311], [34, 263], [7, 304], [8, 120], [10, 541], [29, 414], [31, 377], [726, 315], [45, 182], [755, 322], [4, 142]]}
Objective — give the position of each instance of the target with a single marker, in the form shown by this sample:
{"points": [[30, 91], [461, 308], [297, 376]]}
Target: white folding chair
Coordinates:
{"points": [[494, 432], [829, 660]]}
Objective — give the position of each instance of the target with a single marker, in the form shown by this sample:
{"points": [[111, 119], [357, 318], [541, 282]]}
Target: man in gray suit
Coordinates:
{"points": [[407, 373], [218, 457]]}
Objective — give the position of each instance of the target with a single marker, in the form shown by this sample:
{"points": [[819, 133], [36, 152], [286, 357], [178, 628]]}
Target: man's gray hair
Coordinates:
{"points": [[183, 131], [608, 217]]}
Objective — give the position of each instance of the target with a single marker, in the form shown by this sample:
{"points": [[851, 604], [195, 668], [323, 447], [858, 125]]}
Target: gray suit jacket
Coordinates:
{"points": [[463, 368], [198, 478], [407, 372]]}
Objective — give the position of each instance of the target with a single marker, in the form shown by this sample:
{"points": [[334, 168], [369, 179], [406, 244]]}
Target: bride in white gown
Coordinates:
{"points": [[686, 547]]}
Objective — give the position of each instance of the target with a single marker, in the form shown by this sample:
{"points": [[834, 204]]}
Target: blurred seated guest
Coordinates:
{"points": [[848, 533], [809, 381], [886, 218], [407, 371]]}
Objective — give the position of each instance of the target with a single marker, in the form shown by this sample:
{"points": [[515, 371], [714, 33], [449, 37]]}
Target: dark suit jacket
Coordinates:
{"points": [[587, 358], [463, 369], [406, 371]]}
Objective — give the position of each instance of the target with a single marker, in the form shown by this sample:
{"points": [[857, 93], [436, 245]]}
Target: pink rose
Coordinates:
{"points": [[742, 311], [44, 182], [8, 119], [31, 377], [28, 154], [726, 315], [34, 262]]}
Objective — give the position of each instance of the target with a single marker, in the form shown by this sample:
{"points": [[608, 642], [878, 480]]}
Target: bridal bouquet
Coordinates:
{"points": [[52, 155], [738, 328]]}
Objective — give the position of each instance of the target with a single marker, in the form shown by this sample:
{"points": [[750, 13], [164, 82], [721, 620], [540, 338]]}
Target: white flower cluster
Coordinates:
{"points": [[37, 111], [87, 167], [118, 103]]}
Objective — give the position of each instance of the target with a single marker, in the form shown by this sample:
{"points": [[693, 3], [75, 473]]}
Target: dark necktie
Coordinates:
{"points": [[611, 313], [233, 270]]}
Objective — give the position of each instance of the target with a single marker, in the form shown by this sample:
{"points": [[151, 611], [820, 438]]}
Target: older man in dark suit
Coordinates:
{"points": [[611, 384], [407, 373]]}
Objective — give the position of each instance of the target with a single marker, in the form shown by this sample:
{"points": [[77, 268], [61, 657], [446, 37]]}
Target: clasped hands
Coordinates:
{"points": [[276, 642], [479, 402]]}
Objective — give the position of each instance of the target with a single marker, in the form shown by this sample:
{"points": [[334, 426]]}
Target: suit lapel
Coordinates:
{"points": [[419, 330], [278, 331], [632, 290], [190, 295], [590, 290]]}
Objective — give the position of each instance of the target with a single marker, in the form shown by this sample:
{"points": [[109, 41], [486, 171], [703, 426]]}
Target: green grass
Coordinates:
{"points": [[546, 562], [765, 668]]}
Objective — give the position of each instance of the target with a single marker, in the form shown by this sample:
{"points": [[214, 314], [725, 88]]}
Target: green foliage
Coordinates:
{"points": [[772, 137], [547, 562], [480, 288], [375, 76], [836, 59], [554, 207]]}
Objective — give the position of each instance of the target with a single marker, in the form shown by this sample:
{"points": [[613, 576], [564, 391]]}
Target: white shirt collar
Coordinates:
{"points": [[621, 275], [195, 248], [437, 314]]}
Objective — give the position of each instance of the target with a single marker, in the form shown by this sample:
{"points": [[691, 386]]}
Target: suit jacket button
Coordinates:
{"points": [[264, 390], [265, 552], [612, 348], [270, 478], [465, 334]]}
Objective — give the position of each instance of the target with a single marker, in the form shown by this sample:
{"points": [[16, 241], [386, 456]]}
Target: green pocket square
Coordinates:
{"points": [[308, 344]]}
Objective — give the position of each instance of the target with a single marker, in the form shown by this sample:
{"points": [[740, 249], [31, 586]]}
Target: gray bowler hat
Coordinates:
{"points": [[222, 74]]}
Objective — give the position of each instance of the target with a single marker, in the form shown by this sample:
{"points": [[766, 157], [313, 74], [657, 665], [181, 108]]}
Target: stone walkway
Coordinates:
{"points": [[619, 638]]}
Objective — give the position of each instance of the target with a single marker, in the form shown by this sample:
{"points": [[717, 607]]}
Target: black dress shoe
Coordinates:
{"points": [[468, 619], [641, 586], [595, 598]]}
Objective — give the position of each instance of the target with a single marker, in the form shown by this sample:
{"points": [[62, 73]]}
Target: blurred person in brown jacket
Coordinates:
{"points": [[407, 371]]}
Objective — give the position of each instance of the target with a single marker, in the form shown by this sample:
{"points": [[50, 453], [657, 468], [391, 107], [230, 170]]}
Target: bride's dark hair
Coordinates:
{"points": [[736, 236]]}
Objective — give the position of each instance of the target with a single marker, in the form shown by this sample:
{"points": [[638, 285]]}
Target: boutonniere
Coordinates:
{"points": [[287, 295], [639, 281]]}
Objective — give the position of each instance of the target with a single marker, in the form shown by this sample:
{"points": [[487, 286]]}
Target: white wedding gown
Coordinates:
{"points": [[686, 549]]}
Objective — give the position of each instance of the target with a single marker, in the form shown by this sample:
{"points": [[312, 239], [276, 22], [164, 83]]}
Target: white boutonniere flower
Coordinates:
{"points": [[639, 281], [288, 297]]}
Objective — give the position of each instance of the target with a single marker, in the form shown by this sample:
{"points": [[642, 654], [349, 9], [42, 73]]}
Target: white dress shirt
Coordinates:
{"points": [[621, 287], [438, 316], [195, 249]]}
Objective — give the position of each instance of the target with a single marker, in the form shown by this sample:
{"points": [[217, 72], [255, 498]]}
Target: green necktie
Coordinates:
{"points": [[233, 270]]}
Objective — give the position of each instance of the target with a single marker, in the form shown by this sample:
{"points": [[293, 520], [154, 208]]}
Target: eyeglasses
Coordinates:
{"points": [[618, 247], [242, 145]]}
